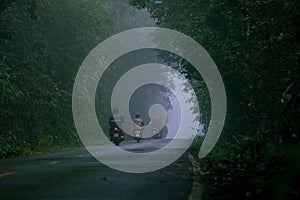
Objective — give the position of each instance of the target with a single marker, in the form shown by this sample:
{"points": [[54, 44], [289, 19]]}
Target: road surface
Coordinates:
{"points": [[75, 174]]}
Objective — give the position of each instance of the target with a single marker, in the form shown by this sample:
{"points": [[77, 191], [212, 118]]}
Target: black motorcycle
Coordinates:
{"points": [[117, 136], [138, 134]]}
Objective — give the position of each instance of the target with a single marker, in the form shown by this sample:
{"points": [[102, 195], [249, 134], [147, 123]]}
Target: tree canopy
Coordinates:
{"points": [[255, 45], [42, 46]]}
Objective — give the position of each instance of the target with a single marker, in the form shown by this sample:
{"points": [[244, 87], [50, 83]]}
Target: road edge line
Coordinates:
{"points": [[197, 187]]}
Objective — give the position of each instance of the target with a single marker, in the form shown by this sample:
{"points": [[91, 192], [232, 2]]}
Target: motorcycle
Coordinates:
{"points": [[155, 133], [117, 136], [138, 134]]}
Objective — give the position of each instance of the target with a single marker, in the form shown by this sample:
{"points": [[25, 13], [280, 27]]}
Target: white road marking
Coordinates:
{"points": [[53, 162]]}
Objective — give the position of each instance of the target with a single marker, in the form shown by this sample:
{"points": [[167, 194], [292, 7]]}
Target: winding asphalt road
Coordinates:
{"points": [[75, 174]]}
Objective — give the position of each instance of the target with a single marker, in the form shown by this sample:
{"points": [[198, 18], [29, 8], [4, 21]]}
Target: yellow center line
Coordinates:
{"points": [[7, 173], [53, 162]]}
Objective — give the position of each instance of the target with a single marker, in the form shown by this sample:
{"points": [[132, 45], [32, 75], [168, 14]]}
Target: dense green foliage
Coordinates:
{"points": [[255, 44], [42, 46]]}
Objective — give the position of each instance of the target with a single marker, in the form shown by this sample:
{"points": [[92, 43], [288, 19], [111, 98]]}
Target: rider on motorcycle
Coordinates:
{"points": [[112, 121], [137, 132], [138, 120]]}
